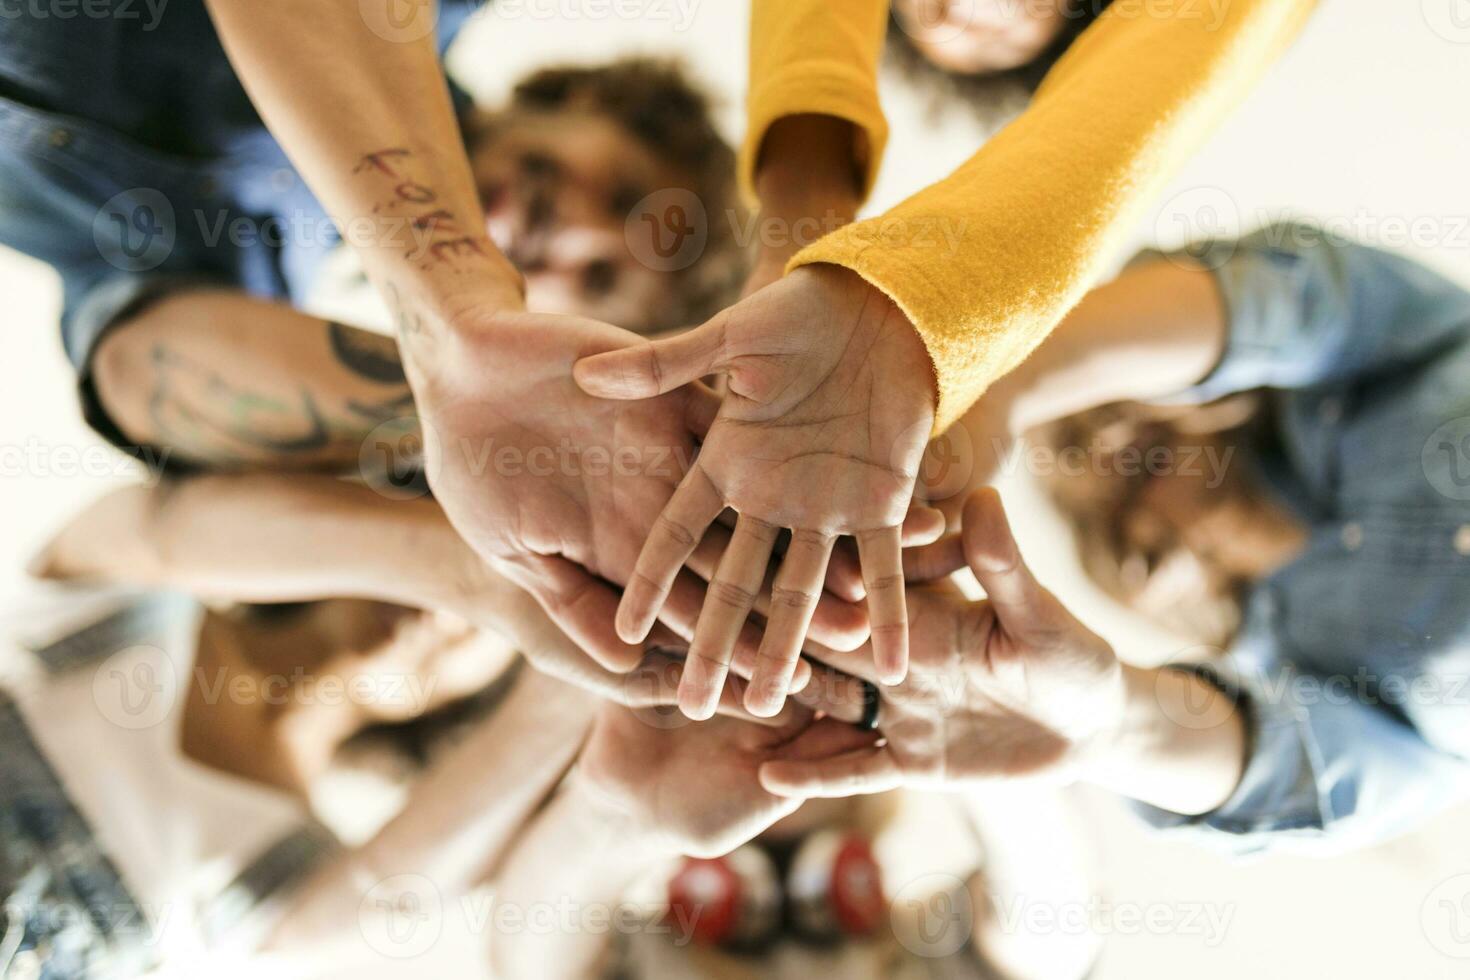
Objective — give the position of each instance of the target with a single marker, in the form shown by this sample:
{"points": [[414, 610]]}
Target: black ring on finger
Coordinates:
{"points": [[871, 702]]}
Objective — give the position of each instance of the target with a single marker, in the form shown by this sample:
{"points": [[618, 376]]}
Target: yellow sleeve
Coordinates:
{"points": [[818, 57], [989, 260]]}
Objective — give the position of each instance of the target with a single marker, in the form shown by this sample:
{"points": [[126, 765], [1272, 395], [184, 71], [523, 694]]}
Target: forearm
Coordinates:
{"points": [[813, 58], [808, 183], [461, 816], [280, 538], [988, 261], [582, 851], [1180, 744], [223, 379], [1152, 332], [369, 123]]}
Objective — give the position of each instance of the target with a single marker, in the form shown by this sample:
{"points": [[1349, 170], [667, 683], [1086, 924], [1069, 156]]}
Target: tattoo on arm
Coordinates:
{"points": [[200, 413], [366, 354]]}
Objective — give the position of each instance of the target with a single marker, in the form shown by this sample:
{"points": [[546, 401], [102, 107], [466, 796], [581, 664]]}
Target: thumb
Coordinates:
{"points": [[991, 552], [654, 366]]}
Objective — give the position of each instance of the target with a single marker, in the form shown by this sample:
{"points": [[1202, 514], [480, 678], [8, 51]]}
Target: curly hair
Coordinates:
{"points": [[656, 102], [991, 94], [1125, 552]]}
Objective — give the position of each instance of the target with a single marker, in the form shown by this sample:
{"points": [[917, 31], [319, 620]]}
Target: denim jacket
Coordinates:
{"points": [[132, 160], [1353, 663]]}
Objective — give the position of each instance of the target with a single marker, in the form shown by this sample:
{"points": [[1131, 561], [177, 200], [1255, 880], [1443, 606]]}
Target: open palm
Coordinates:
{"points": [[830, 405], [1011, 685]]}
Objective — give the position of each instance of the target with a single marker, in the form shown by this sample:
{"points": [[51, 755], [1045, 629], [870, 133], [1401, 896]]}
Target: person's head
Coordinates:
{"points": [[984, 52], [1169, 515], [564, 168]]}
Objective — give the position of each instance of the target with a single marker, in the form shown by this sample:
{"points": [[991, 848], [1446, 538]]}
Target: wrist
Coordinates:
{"points": [[601, 814], [809, 159], [1177, 742]]}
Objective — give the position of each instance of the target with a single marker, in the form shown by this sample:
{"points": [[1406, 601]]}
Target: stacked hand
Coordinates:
{"points": [[830, 404], [643, 771], [558, 489], [1012, 685]]}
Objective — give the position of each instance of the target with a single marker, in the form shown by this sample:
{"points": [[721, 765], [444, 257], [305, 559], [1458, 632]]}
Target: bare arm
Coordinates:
{"points": [[460, 818], [362, 108], [224, 379], [1154, 331]]}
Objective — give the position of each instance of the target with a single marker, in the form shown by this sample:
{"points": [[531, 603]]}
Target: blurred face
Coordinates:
{"points": [[981, 37], [557, 189]]}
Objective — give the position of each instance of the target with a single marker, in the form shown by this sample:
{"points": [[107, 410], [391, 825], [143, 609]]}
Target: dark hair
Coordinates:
{"points": [[656, 102], [983, 93], [1119, 547]]}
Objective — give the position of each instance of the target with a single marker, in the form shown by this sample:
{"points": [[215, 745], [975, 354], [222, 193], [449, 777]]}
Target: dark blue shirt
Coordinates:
{"points": [[132, 160]]}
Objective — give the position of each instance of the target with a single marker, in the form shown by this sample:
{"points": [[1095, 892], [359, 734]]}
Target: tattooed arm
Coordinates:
{"points": [[224, 379], [358, 100]]}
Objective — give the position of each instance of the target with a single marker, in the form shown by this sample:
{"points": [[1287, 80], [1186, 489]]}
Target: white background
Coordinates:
{"points": [[1365, 121]]}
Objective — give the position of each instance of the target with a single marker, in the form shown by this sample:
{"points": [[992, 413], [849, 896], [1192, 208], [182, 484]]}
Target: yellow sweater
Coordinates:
{"points": [[987, 261]]}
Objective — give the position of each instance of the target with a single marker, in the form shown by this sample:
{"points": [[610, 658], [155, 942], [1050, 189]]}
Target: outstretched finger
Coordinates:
{"points": [[656, 366], [881, 553], [922, 525], [731, 595], [794, 597], [995, 558], [865, 770], [694, 504], [681, 615], [838, 623]]}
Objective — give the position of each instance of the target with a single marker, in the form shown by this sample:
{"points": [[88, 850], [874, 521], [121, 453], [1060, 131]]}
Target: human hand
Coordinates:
{"points": [[1012, 685], [554, 488], [693, 788], [830, 404]]}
